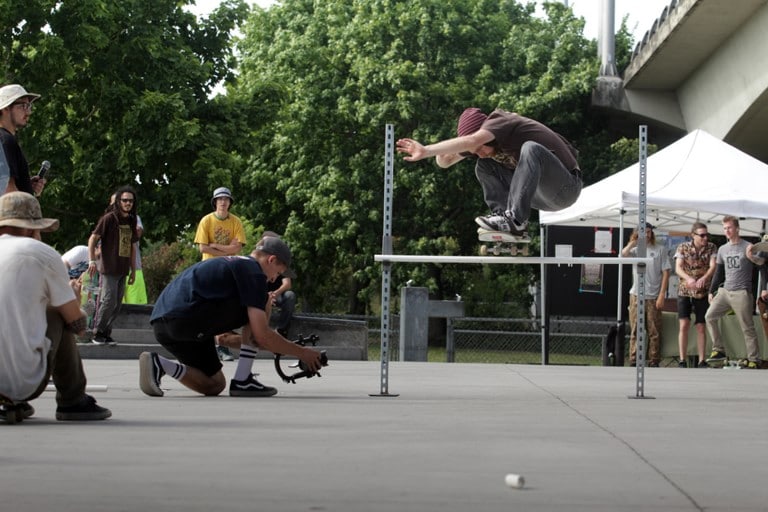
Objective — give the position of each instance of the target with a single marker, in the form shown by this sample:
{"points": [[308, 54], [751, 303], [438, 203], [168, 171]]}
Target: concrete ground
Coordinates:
{"points": [[444, 444]]}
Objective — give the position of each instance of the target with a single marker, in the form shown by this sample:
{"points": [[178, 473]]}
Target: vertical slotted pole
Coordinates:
{"points": [[386, 248], [641, 269]]}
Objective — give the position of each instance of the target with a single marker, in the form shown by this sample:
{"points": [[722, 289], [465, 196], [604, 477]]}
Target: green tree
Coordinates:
{"points": [[346, 69], [125, 100]]}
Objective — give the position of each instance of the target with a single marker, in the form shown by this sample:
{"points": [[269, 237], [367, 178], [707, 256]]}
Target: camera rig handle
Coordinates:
{"points": [[304, 372]]}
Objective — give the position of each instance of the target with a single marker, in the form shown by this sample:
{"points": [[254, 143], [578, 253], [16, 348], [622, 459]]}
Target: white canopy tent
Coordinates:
{"points": [[698, 178]]}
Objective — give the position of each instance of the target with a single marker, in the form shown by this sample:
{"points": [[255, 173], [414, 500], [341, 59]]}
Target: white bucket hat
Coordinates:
{"points": [[10, 93]]}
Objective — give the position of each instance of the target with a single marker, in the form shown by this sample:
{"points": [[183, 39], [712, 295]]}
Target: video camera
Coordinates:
{"points": [[304, 372]]}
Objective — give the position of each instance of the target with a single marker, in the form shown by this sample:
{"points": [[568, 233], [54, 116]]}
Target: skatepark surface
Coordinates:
{"points": [[578, 436]]}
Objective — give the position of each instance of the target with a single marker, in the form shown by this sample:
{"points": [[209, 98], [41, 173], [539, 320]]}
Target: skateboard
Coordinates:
{"points": [[502, 243], [731, 364], [10, 411]]}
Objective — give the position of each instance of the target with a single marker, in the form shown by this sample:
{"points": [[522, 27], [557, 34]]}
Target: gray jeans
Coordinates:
{"points": [[540, 181], [112, 289]]}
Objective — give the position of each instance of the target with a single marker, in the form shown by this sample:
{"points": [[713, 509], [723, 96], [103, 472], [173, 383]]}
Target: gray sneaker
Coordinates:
{"points": [[150, 373], [501, 222]]}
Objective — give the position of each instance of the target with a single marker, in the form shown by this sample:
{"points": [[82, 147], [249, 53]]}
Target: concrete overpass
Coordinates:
{"points": [[702, 65]]}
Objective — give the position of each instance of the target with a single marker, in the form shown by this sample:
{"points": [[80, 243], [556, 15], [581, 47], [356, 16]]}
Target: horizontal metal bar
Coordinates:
{"points": [[520, 260]]}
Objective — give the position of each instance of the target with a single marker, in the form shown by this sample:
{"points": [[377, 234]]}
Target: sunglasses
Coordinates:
{"points": [[25, 105], [702, 235]]}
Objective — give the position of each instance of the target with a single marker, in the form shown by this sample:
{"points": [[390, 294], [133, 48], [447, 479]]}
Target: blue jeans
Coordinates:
{"points": [[540, 181]]}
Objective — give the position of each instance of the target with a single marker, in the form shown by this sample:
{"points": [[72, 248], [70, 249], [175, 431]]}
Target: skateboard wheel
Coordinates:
{"points": [[483, 250]]}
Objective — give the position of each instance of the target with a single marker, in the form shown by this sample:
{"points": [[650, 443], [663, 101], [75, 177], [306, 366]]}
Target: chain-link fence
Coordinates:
{"points": [[502, 340]]}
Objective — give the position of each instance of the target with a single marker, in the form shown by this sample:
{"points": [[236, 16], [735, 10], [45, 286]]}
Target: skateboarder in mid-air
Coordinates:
{"points": [[521, 164]]}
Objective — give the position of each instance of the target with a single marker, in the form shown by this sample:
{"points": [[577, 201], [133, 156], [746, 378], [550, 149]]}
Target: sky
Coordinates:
{"points": [[641, 13]]}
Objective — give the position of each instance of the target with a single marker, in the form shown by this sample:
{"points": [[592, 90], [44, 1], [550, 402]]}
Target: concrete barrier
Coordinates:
{"points": [[341, 339]]}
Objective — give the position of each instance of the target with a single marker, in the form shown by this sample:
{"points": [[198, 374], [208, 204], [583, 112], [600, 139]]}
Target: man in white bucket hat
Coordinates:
{"points": [[15, 109]]}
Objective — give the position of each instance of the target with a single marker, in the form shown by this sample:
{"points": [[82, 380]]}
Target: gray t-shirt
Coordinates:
{"points": [[738, 268], [653, 272]]}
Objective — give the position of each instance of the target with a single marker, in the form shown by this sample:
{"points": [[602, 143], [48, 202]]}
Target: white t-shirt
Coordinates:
{"points": [[32, 277], [653, 272], [75, 255]]}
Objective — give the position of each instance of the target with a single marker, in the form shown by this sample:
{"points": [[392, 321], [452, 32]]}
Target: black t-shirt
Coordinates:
{"points": [[17, 162], [215, 293]]}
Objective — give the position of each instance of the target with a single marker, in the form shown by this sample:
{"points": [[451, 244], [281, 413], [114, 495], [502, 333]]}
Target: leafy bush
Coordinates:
{"points": [[162, 262]]}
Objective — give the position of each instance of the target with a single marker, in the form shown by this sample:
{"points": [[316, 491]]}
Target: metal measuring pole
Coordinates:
{"points": [[641, 253], [386, 267]]}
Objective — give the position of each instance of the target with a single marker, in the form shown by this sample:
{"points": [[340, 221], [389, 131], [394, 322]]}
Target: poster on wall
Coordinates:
{"points": [[591, 278], [603, 241]]}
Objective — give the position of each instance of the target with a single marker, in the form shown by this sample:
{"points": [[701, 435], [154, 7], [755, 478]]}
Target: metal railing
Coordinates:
{"points": [[501, 340]]}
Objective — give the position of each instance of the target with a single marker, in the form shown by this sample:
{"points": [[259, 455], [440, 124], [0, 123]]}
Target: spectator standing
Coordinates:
{"points": [[758, 253], [731, 290], [15, 109], [116, 230], [220, 233], [656, 283], [694, 265]]}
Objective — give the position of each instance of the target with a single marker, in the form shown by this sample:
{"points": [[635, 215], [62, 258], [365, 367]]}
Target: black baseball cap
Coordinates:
{"points": [[275, 246]]}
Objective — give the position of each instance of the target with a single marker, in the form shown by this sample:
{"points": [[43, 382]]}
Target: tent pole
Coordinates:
{"points": [[620, 298], [544, 310], [618, 344]]}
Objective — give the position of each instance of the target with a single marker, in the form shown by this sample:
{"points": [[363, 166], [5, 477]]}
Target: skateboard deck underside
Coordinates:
{"points": [[499, 242]]}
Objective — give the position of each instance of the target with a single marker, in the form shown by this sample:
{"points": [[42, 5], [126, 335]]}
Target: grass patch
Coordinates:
{"points": [[438, 355]]}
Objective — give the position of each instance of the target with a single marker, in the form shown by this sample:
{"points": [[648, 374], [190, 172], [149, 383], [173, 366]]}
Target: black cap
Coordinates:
{"points": [[275, 246]]}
